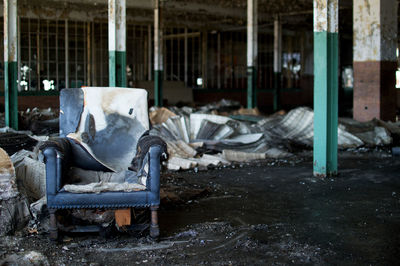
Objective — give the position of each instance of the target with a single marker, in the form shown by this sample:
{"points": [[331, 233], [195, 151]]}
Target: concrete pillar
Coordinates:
{"points": [[252, 53], [374, 60], [158, 54], [326, 18], [277, 62], [10, 63], [117, 43]]}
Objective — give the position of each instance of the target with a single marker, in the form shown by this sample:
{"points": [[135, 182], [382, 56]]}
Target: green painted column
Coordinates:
{"points": [[158, 84], [121, 68], [251, 87], [117, 43], [252, 53], [112, 73], [277, 62], [325, 87], [158, 55], [277, 91], [10, 63]]}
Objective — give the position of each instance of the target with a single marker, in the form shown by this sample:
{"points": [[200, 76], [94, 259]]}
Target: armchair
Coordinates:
{"points": [[104, 129]]}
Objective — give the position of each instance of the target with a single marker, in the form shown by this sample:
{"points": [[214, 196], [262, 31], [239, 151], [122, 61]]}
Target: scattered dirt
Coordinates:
{"points": [[267, 212]]}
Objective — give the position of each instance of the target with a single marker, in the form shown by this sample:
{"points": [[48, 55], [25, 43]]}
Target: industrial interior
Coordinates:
{"points": [[175, 132]]}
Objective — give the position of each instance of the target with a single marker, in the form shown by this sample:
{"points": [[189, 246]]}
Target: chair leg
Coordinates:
{"points": [[154, 229], [53, 230]]}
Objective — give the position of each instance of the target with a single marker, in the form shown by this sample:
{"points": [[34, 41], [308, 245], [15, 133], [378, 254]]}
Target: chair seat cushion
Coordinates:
{"points": [[103, 187], [86, 181]]}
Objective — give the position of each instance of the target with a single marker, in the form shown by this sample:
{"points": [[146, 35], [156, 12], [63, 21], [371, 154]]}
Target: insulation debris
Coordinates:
{"points": [[159, 115], [30, 173], [14, 207], [239, 156]]}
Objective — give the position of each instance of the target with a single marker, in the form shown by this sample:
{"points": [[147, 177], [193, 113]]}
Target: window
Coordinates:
{"points": [[43, 54]]}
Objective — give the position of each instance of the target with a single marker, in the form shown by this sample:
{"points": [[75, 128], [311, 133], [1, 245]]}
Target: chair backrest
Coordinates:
{"points": [[106, 121]]}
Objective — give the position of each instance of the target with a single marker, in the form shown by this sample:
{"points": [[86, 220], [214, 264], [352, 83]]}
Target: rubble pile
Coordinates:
{"points": [[219, 134]]}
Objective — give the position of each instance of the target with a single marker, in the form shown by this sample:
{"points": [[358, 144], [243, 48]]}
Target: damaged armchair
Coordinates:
{"points": [[103, 130]]}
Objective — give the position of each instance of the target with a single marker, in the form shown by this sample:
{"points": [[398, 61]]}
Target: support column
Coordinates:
{"points": [[186, 56], [326, 17], [252, 53], [158, 55], [66, 59], [117, 43], [10, 63], [204, 57], [374, 61], [277, 62], [219, 60], [149, 51]]}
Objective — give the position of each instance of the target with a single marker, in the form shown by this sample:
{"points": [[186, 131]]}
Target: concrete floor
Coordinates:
{"points": [[269, 212]]}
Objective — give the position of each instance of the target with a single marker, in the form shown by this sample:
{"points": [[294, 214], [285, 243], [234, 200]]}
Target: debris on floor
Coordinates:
{"points": [[14, 207], [30, 174], [212, 136], [40, 121], [12, 141], [231, 135], [26, 258]]}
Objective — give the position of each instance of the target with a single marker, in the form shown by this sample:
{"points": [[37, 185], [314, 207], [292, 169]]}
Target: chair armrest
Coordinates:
{"points": [[56, 154], [155, 157]]}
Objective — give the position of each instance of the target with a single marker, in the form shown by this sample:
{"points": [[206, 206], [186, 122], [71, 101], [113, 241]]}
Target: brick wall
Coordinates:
{"points": [[374, 90]]}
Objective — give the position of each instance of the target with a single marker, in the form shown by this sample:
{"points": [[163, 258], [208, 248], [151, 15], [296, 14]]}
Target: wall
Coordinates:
{"points": [[42, 101]]}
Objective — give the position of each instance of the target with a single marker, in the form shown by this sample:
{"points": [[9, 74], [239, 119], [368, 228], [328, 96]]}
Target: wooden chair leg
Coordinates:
{"points": [[154, 229], [53, 230]]}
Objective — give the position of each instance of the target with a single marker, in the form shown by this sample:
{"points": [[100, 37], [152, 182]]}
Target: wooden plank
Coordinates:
{"points": [[123, 217]]}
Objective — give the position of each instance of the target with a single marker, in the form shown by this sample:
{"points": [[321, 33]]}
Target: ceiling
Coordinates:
{"points": [[216, 14]]}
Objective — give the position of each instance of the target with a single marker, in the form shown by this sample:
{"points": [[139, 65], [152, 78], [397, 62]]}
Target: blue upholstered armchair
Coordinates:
{"points": [[104, 130]]}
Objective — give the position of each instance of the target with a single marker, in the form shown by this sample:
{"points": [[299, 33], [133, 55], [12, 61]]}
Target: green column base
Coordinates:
{"points": [[11, 94], [117, 68], [112, 74], [251, 87], [158, 88], [277, 91], [121, 68], [325, 103]]}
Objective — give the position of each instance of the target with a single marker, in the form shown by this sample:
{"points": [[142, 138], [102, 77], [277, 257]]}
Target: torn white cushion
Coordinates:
{"points": [[86, 181]]}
